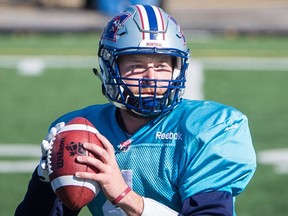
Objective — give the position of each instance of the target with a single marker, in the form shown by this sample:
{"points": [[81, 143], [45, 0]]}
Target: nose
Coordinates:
{"points": [[150, 72]]}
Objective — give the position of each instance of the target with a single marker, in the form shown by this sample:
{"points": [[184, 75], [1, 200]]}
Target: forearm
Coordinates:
{"points": [[39, 198], [135, 205], [213, 203]]}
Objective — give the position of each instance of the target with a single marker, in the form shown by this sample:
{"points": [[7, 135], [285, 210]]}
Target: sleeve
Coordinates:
{"points": [[224, 160], [212, 203], [41, 200]]}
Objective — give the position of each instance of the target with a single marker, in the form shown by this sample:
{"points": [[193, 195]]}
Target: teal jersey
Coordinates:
{"points": [[199, 147]]}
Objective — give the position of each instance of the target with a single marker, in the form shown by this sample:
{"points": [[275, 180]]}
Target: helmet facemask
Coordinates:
{"points": [[117, 88]]}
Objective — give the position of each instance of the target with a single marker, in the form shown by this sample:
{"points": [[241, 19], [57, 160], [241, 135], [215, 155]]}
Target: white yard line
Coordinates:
{"points": [[245, 63], [17, 166], [19, 150], [278, 158], [15, 150]]}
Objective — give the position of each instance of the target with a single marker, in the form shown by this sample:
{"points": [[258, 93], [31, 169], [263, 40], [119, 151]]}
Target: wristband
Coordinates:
{"points": [[121, 196]]}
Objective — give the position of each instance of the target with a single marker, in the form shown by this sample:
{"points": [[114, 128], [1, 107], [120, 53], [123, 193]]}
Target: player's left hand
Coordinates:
{"points": [[46, 145], [109, 177]]}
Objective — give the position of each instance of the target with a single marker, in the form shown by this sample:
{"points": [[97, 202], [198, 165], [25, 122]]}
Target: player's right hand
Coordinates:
{"points": [[46, 145]]}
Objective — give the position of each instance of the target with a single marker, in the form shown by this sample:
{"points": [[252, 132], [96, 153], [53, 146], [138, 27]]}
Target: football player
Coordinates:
{"points": [[163, 155]]}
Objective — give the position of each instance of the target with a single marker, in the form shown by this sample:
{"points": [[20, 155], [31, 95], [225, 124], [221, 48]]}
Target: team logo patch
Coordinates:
{"points": [[116, 24]]}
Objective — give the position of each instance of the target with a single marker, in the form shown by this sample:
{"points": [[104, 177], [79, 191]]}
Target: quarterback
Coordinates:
{"points": [[163, 155]]}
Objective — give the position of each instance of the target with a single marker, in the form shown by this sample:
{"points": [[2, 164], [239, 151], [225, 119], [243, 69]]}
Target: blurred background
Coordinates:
{"points": [[239, 52], [223, 16]]}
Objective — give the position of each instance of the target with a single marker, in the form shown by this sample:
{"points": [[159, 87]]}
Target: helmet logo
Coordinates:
{"points": [[114, 26], [179, 31]]}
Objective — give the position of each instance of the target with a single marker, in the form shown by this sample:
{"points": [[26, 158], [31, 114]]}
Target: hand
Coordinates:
{"points": [[109, 176], [46, 145]]}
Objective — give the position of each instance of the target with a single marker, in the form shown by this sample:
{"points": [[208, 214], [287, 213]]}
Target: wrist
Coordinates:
{"points": [[131, 203], [121, 196]]}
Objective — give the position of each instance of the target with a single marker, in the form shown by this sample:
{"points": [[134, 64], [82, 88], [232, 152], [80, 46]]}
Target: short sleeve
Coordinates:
{"points": [[224, 160]]}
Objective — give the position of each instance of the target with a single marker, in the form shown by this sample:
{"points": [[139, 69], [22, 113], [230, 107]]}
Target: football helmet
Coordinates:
{"points": [[142, 29]]}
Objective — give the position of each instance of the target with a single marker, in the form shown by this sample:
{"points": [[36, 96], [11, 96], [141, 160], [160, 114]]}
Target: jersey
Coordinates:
{"points": [[199, 147]]}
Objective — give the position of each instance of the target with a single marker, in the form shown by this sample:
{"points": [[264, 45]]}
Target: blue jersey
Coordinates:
{"points": [[199, 147]]}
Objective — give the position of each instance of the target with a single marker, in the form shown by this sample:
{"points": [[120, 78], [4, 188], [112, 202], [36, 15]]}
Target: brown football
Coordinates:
{"points": [[73, 192]]}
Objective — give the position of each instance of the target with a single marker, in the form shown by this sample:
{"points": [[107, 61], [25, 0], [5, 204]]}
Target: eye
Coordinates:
{"points": [[162, 66], [137, 66]]}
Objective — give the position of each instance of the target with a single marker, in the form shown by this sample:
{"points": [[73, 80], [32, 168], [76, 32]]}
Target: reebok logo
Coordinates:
{"points": [[168, 136]]}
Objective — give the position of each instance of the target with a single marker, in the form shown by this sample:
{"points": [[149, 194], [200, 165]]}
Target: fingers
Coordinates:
{"points": [[59, 125], [52, 133], [104, 158], [97, 151], [106, 144], [87, 175], [93, 162], [54, 130], [106, 153], [109, 176]]}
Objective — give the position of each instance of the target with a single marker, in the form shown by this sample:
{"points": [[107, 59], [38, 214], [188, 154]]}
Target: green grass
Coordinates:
{"points": [[87, 44], [239, 46], [30, 103], [260, 95], [49, 44]]}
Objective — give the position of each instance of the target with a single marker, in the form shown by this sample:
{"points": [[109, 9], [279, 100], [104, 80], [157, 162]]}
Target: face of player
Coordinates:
{"points": [[149, 68]]}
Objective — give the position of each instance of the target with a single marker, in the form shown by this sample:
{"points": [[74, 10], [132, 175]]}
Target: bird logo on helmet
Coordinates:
{"points": [[113, 27], [142, 29]]}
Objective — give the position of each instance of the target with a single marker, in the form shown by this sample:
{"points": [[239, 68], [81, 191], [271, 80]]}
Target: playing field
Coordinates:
{"points": [[44, 76]]}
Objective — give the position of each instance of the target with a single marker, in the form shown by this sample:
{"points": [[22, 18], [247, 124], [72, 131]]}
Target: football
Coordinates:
{"points": [[68, 144]]}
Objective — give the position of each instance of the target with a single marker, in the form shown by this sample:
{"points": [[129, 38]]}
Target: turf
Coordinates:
{"points": [[30, 103]]}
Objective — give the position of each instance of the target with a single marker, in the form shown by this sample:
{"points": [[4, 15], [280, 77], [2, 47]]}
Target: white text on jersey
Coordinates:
{"points": [[168, 136]]}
